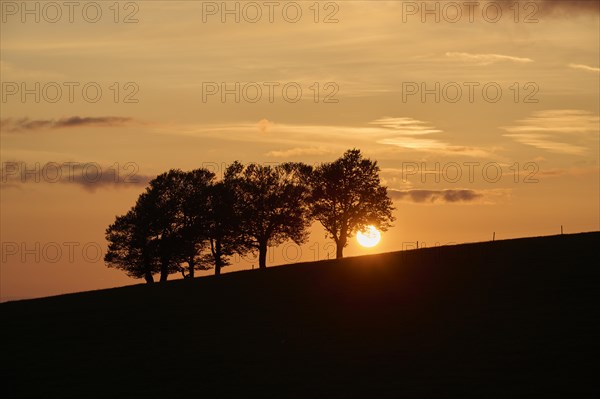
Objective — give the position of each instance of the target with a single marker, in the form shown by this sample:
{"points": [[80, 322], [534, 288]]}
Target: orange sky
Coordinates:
{"points": [[462, 95]]}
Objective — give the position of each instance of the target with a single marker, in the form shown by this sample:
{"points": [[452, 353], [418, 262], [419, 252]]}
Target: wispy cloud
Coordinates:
{"points": [[431, 196], [451, 196], [290, 139], [264, 125], [407, 133], [13, 125], [561, 131], [487, 59], [89, 176], [11, 71], [585, 68], [567, 7], [407, 126], [301, 151], [574, 171], [556, 7]]}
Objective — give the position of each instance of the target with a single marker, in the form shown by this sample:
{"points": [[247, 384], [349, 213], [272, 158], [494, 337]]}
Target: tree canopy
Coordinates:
{"points": [[347, 196], [128, 247], [222, 227], [271, 202], [167, 221]]}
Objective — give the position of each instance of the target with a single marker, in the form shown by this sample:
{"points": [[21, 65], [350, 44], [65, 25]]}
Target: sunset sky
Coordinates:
{"points": [[528, 156]]}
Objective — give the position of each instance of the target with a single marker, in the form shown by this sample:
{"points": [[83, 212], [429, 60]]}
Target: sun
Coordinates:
{"points": [[369, 237]]}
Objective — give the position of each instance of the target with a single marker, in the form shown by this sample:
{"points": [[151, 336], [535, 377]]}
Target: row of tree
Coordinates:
{"points": [[187, 221]]}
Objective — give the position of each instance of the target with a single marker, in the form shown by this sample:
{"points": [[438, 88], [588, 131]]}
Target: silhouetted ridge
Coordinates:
{"points": [[495, 319]]}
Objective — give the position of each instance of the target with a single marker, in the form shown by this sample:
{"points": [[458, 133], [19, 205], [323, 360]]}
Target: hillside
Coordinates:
{"points": [[497, 319]]}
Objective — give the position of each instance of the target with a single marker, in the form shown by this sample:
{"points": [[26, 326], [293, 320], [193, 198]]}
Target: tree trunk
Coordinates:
{"points": [[191, 267], [215, 248], [339, 251], [148, 277], [341, 241], [164, 272], [148, 271], [340, 244], [262, 255]]}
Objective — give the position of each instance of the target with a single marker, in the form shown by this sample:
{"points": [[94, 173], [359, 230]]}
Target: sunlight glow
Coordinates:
{"points": [[369, 237]]}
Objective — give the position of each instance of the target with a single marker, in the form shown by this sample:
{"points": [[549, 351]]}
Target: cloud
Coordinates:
{"points": [[575, 171], [264, 125], [12, 72], [560, 131], [301, 151], [557, 7], [403, 132], [568, 6], [431, 196], [407, 126], [90, 176], [487, 59], [407, 134], [584, 68], [13, 125], [415, 143]]}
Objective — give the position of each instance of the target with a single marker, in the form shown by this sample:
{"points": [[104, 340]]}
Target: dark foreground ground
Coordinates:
{"points": [[492, 320]]}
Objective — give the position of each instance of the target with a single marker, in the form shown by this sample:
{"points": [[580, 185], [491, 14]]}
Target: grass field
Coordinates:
{"points": [[492, 320]]}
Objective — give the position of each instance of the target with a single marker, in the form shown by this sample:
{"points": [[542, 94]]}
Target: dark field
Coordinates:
{"points": [[492, 320]]}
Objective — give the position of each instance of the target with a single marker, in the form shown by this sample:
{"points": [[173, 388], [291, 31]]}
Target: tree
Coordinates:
{"points": [[164, 229], [271, 202], [222, 225], [347, 196], [162, 205], [132, 241], [192, 218], [128, 249]]}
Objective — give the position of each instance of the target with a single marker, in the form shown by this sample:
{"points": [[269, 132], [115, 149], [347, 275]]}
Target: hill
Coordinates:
{"points": [[496, 319]]}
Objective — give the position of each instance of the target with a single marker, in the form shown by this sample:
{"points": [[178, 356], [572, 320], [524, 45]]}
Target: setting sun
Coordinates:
{"points": [[369, 237]]}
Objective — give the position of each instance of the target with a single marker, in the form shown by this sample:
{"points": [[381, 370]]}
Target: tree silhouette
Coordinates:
{"points": [[128, 248], [165, 228], [188, 218], [192, 191], [136, 245], [222, 226], [271, 202], [163, 205], [347, 196]]}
